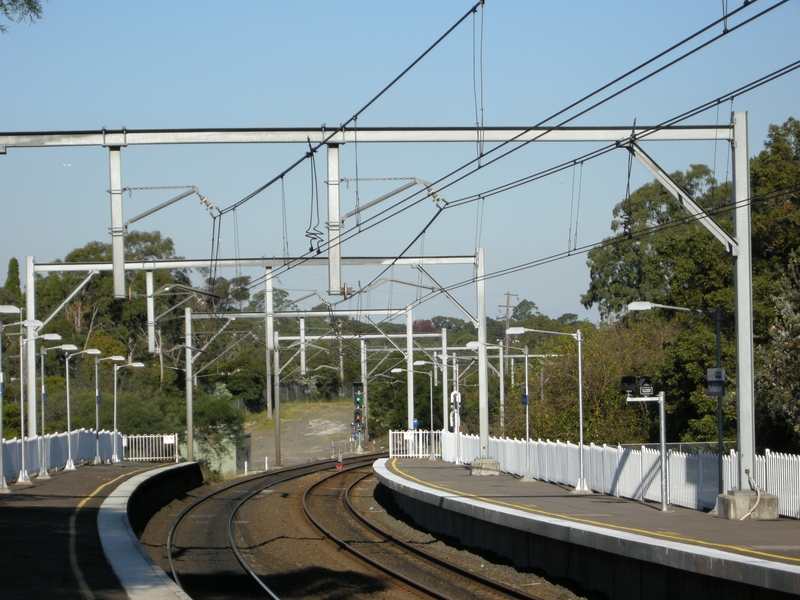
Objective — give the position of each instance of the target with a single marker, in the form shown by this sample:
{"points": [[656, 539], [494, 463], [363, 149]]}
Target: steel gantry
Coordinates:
{"points": [[735, 134]]}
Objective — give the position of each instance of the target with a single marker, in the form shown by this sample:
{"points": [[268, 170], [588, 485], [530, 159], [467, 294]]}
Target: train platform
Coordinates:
{"points": [[624, 548], [69, 537]]}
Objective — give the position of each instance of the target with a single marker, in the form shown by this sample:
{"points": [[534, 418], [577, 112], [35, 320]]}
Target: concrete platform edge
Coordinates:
{"points": [[137, 572], [675, 555]]}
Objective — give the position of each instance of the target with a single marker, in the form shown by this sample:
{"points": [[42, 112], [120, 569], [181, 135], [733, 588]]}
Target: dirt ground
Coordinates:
{"points": [[317, 432]]}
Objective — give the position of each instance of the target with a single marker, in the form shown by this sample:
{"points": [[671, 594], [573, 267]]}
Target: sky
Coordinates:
{"points": [[90, 64]]}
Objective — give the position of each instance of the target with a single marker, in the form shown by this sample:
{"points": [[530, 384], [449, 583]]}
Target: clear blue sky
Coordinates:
{"points": [[195, 64]]}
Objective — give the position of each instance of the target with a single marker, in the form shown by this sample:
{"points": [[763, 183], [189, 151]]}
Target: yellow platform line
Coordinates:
{"points": [[666, 535], [73, 556]]}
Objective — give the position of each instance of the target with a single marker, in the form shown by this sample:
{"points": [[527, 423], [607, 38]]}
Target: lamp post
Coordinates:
{"points": [[527, 476], [717, 314], [430, 376], [23, 474], [97, 361], [43, 474], [70, 466], [138, 365], [501, 375], [581, 486], [5, 309]]}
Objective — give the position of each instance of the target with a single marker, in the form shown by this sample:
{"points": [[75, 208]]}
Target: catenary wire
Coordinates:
{"points": [[693, 112]]}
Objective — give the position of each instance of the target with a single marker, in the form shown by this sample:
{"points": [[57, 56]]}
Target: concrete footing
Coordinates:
{"points": [[484, 466], [736, 504]]}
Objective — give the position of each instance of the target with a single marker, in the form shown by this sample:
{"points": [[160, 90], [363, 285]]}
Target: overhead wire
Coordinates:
{"points": [[313, 232], [477, 88], [608, 242], [285, 247], [594, 154], [594, 93], [343, 126]]}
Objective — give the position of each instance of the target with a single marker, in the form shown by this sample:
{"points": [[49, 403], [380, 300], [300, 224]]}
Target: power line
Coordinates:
{"points": [[693, 112], [344, 125]]}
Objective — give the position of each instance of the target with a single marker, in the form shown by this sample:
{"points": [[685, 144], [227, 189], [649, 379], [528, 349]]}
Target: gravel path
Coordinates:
{"points": [[305, 438]]}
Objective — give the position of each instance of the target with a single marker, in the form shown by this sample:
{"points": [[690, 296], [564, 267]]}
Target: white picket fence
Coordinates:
{"points": [[415, 444], [151, 448], [692, 479], [55, 447], [144, 447]]}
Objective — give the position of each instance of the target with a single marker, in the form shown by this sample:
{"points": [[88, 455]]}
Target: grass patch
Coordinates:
{"points": [[256, 422]]}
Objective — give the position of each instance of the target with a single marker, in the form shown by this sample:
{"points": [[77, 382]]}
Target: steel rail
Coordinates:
{"points": [[275, 479], [368, 560], [478, 578], [501, 588]]}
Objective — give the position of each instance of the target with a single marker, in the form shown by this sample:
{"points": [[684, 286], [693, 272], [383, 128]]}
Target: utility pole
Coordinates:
{"points": [[508, 323]]}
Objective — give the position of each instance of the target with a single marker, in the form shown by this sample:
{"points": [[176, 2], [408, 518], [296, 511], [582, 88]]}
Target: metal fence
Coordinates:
{"points": [[415, 444], [692, 479], [84, 443], [150, 448]]}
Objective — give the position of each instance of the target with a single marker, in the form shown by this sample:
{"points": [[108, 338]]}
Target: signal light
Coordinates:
{"points": [[357, 418], [645, 385], [358, 394], [629, 387]]}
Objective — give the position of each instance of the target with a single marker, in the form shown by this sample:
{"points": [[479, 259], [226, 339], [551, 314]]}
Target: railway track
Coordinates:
{"points": [[433, 576], [204, 558], [260, 538]]}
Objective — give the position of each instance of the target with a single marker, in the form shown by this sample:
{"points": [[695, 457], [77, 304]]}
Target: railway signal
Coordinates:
{"points": [[358, 394]]}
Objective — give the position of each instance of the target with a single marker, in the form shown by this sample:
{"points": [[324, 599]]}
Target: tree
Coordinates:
{"points": [[219, 425], [524, 310], [423, 326], [20, 10], [12, 286], [646, 259], [778, 379]]}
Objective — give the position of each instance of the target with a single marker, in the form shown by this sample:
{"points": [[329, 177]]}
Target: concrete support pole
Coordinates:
{"points": [[303, 347], [502, 370], [30, 347], [334, 223], [189, 388], [269, 328], [483, 369], [151, 313], [410, 365], [743, 283], [445, 393], [364, 376], [277, 393], [117, 223], [662, 430]]}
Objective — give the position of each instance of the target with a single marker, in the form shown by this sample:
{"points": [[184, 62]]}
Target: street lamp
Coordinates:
{"points": [[51, 337], [581, 486], [717, 314], [5, 309], [138, 365], [97, 361], [430, 376], [70, 465], [43, 474]]}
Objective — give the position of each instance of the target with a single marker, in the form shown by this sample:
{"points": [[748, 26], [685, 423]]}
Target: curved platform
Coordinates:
{"points": [[73, 535], [137, 572], [623, 548]]}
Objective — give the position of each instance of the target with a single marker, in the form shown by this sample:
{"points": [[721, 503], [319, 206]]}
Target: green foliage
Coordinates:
{"points": [[219, 425], [13, 292], [681, 265], [525, 309], [19, 11], [657, 254], [778, 378]]}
